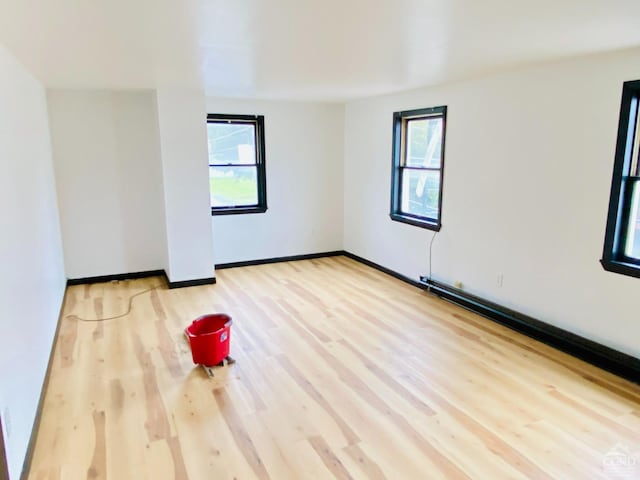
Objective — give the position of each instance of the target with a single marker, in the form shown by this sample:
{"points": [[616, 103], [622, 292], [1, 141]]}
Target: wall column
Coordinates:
{"points": [[183, 145]]}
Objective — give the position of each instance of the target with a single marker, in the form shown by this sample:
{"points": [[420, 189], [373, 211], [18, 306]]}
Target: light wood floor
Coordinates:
{"points": [[342, 372]]}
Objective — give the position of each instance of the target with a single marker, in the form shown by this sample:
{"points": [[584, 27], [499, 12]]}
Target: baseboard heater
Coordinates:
{"points": [[599, 355]]}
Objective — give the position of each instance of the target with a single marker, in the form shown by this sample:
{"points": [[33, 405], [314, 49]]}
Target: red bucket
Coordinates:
{"points": [[209, 337]]}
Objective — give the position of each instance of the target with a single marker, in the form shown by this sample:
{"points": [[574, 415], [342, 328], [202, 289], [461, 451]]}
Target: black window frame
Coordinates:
{"points": [[260, 165], [623, 183], [400, 122]]}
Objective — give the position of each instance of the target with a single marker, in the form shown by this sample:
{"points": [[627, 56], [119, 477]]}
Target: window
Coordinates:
{"points": [[418, 161], [622, 238], [237, 182]]}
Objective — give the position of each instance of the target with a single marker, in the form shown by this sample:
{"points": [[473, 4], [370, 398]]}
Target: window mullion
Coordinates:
{"points": [[233, 164], [431, 169]]}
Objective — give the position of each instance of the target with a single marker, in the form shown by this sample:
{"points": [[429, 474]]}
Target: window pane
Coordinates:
{"points": [[424, 142], [632, 248], [635, 153], [233, 186], [420, 192], [231, 143]]}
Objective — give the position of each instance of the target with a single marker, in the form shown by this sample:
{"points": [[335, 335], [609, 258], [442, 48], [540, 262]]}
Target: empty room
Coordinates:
{"points": [[283, 240]]}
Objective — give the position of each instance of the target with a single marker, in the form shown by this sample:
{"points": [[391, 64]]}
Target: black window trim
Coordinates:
{"points": [[258, 120], [399, 118], [613, 257]]}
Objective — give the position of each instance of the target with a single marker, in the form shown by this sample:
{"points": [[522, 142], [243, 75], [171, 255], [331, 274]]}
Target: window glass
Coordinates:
{"points": [[420, 192], [233, 186], [632, 248], [424, 140], [231, 143]]}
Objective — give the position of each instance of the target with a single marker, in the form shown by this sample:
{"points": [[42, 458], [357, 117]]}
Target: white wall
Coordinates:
{"points": [[109, 181], [183, 141], [304, 150], [32, 280], [529, 158]]}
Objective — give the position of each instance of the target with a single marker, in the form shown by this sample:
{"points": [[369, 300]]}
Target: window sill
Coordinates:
{"points": [[416, 221], [237, 210], [624, 268]]}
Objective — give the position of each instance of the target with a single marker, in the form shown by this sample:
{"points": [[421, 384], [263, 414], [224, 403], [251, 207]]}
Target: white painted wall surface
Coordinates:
{"points": [[529, 158], [183, 140], [304, 150], [32, 281], [109, 181]]}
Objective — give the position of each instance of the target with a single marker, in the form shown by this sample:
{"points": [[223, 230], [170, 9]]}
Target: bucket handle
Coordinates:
{"points": [[226, 325]]}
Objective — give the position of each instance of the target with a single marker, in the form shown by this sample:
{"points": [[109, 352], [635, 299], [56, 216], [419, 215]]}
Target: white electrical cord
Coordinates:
{"points": [[430, 252]]}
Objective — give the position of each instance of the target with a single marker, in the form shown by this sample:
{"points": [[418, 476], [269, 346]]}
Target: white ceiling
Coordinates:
{"points": [[330, 50]]}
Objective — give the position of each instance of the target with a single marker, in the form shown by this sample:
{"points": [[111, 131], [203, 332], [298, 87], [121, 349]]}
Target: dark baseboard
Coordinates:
{"points": [[26, 464], [386, 270], [601, 356], [592, 352], [119, 276], [192, 283], [293, 258], [137, 275]]}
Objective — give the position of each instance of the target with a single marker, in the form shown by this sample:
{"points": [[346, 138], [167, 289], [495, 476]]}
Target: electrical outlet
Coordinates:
{"points": [[458, 284], [500, 280], [6, 422]]}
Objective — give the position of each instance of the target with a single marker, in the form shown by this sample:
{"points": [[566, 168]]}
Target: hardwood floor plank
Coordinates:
{"points": [[440, 461], [349, 435], [396, 386], [333, 463], [242, 439], [369, 467], [157, 424], [179, 468], [98, 466]]}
